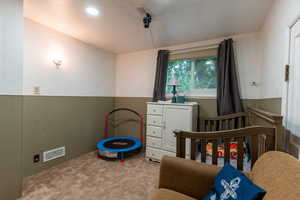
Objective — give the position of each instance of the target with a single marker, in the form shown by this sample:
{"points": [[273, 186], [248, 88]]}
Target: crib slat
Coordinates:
{"points": [[246, 121], [180, 146], [193, 149], [226, 124], [233, 123], [203, 151], [270, 143], [227, 151], [217, 125], [254, 149], [206, 125], [209, 125], [240, 151], [202, 126], [215, 152], [230, 124], [239, 122], [214, 125]]}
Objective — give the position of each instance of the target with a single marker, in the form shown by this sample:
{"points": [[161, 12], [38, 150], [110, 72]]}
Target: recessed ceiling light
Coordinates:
{"points": [[92, 11]]}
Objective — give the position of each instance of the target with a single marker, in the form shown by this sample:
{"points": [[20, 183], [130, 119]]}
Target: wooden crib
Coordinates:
{"points": [[261, 129]]}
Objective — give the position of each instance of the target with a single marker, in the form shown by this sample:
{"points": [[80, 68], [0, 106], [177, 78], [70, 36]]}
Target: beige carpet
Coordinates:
{"points": [[90, 178]]}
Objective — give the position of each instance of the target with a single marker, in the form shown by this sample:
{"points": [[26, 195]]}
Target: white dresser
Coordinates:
{"points": [[162, 120]]}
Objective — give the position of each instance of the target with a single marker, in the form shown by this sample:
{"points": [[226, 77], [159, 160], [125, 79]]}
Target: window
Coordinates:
{"points": [[196, 74]]}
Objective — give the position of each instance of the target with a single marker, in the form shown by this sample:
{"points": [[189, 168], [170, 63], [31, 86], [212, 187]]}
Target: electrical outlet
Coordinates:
{"points": [[36, 90], [36, 158]]}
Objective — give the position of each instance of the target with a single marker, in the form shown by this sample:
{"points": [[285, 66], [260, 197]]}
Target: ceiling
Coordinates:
{"points": [[119, 27]]}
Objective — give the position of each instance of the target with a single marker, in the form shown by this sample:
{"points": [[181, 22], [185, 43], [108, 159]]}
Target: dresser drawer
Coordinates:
{"points": [[153, 153], [154, 120], [154, 142], [155, 109], [167, 153], [157, 154], [154, 131]]}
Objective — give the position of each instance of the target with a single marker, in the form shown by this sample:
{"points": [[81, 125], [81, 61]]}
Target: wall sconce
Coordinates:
{"points": [[57, 63], [56, 56]]}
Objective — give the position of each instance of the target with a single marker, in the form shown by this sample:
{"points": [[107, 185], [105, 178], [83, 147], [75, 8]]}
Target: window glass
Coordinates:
{"points": [[205, 74], [196, 76], [181, 70]]}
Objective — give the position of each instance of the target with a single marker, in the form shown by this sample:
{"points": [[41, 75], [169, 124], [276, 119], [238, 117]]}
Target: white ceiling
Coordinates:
{"points": [[120, 29]]}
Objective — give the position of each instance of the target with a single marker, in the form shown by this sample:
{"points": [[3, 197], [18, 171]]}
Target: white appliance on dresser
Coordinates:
{"points": [[162, 119]]}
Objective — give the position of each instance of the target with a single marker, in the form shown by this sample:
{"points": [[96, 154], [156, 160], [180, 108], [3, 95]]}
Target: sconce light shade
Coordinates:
{"points": [[173, 82], [57, 62], [56, 55]]}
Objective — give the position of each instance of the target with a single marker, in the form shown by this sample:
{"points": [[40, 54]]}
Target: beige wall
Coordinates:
{"points": [[135, 72], [85, 70], [275, 41], [11, 47]]}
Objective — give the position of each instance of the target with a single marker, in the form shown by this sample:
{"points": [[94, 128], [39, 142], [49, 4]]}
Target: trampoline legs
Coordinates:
{"points": [[122, 160]]}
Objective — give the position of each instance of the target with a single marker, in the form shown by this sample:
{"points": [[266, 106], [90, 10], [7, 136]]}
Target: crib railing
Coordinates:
{"points": [[227, 122], [262, 139]]}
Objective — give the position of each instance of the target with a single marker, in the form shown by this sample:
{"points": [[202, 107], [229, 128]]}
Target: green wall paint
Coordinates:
{"points": [[51, 122], [208, 108], [130, 128], [271, 105], [75, 122], [292, 144], [10, 147]]}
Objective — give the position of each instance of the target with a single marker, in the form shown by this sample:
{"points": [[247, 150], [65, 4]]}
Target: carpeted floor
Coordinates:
{"points": [[90, 178]]}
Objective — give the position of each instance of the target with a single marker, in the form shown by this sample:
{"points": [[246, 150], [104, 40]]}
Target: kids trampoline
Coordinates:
{"points": [[120, 147]]}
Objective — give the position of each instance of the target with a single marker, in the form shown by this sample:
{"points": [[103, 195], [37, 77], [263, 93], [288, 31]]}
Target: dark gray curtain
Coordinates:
{"points": [[228, 94], [161, 76]]}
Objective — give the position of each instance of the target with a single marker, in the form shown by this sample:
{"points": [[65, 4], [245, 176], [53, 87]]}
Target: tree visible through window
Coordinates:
{"points": [[194, 75]]}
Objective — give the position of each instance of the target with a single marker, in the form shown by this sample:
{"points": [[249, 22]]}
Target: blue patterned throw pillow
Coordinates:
{"points": [[231, 184]]}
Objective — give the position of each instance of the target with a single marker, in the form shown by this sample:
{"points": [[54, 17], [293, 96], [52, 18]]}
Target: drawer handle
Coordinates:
{"points": [[154, 121], [154, 110], [153, 132]]}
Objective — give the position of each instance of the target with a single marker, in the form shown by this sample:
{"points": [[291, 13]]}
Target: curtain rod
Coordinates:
{"points": [[204, 47]]}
